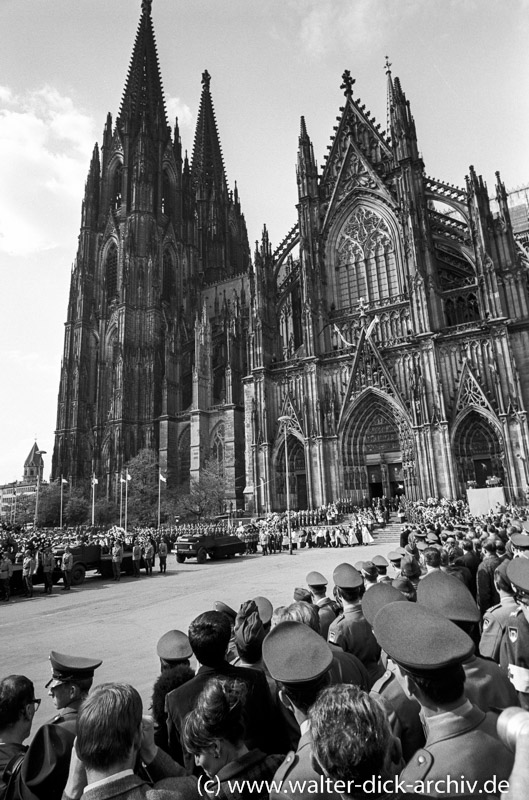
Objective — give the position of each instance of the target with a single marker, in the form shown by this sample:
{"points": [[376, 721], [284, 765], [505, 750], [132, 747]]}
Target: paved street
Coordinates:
{"points": [[121, 623]]}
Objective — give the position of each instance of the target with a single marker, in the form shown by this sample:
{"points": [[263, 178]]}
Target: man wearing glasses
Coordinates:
{"points": [[514, 651]]}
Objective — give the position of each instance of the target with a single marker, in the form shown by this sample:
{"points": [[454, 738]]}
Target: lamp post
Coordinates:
{"points": [[38, 453], [285, 421]]}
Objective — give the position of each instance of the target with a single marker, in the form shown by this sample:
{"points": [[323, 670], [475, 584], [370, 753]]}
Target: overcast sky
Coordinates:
{"points": [[463, 64]]}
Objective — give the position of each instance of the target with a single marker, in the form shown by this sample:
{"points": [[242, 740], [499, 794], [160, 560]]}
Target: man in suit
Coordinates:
{"points": [[300, 680], [111, 735], [209, 637]]}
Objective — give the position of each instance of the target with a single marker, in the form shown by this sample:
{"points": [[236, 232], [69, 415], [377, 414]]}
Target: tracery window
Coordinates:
{"points": [[168, 281], [111, 273], [218, 448], [366, 261]]}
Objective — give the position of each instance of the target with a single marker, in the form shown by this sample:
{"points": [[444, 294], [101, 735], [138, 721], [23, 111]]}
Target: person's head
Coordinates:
{"points": [[306, 613], [209, 637], [214, 730], [17, 704], [501, 581], [109, 727], [432, 557], [351, 738], [248, 633], [169, 679]]}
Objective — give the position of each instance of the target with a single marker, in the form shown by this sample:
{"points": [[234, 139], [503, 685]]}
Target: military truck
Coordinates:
{"points": [[202, 545]]}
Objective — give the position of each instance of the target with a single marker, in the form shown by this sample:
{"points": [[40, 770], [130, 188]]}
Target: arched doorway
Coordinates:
{"points": [[377, 451], [297, 473], [478, 449]]}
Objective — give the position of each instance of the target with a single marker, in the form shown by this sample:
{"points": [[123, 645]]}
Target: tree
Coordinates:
{"points": [[49, 505], [206, 495], [76, 509], [143, 488], [105, 512]]}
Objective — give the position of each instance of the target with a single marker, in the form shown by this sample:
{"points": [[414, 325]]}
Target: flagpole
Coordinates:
{"points": [[159, 496], [60, 520], [126, 498], [120, 499], [93, 498]]}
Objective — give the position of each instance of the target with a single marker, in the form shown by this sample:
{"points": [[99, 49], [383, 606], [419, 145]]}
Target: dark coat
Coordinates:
{"points": [[353, 633], [265, 729]]}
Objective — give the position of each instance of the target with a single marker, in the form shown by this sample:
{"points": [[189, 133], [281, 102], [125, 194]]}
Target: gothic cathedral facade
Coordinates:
{"points": [[380, 350]]}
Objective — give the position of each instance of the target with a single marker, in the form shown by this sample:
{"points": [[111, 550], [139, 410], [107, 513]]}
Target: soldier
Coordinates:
{"points": [[327, 608], [117, 558], [162, 555], [47, 568], [495, 620], [72, 677], [173, 648], [299, 681], [136, 558], [461, 739], [350, 630], [514, 650], [6, 571], [66, 567]]}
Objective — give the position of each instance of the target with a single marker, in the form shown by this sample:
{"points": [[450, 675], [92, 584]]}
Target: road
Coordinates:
{"points": [[122, 622]]}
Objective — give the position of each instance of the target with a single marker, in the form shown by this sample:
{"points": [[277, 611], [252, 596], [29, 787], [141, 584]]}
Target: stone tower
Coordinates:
{"points": [[154, 348]]}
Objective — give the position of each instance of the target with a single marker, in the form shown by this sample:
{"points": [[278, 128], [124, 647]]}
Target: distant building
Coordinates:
{"points": [[11, 493], [390, 326]]}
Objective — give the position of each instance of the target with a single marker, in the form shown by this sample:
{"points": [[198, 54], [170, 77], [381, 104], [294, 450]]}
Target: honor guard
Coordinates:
{"points": [[514, 651]]}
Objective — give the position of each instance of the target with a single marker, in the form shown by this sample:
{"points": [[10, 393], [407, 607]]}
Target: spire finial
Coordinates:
{"points": [[347, 84], [146, 6], [206, 78], [388, 66]]}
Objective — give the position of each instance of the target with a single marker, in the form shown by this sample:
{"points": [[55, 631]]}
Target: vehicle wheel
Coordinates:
{"points": [[78, 574], [180, 557], [201, 556]]}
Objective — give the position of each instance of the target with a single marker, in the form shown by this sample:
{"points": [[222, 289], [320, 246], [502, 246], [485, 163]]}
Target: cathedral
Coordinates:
{"points": [[380, 349]]}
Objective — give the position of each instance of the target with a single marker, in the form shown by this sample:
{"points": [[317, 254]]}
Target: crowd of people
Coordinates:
{"points": [[389, 684]]}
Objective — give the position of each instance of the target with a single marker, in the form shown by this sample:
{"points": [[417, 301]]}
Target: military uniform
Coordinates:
{"points": [[403, 711], [296, 771], [495, 622], [514, 649]]}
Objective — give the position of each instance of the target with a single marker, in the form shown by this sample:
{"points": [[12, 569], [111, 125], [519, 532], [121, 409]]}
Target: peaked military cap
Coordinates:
{"points": [[369, 570], [432, 538], [518, 574], [218, 605], [394, 557], [448, 596], [294, 653], [316, 579], [421, 546], [346, 576], [379, 561], [377, 597], [265, 608], [420, 640], [359, 565], [66, 668], [174, 646], [520, 540]]}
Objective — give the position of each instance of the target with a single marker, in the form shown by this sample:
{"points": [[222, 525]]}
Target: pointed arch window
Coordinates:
{"points": [[366, 264], [111, 273], [218, 449], [169, 278], [116, 185], [167, 194]]}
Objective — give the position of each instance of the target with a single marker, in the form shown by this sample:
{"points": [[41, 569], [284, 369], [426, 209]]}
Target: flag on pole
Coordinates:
{"points": [[163, 480], [63, 480], [129, 477], [123, 480], [94, 481]]}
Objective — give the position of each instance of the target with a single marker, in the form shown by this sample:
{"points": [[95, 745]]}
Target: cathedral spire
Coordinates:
{"points": [[207, 164], [143, 97], [307, 170], [401, 122]]}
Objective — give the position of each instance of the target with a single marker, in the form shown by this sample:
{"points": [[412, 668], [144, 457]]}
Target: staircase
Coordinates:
{"points": [[388, 535]]}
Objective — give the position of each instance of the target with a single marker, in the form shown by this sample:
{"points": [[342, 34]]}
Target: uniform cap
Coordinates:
{"points": [[400, 550], [71, 668], [218, 605], [346, 576], [316, 579], [432, 538], [409, 567], [380, 561], [174, 646], [265, 608], [518, 574], [419, 639], [302, 594], [394, 557], [359, 565], [520, 540], [369, 570], [282, 648], [377, 597], [421, 546], [448, 596]]}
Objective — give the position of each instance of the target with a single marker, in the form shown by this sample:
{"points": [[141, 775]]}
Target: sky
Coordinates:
{"points": [[463, 64]]}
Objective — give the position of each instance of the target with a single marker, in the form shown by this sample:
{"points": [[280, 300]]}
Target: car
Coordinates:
{"points": [[202, 545]]}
